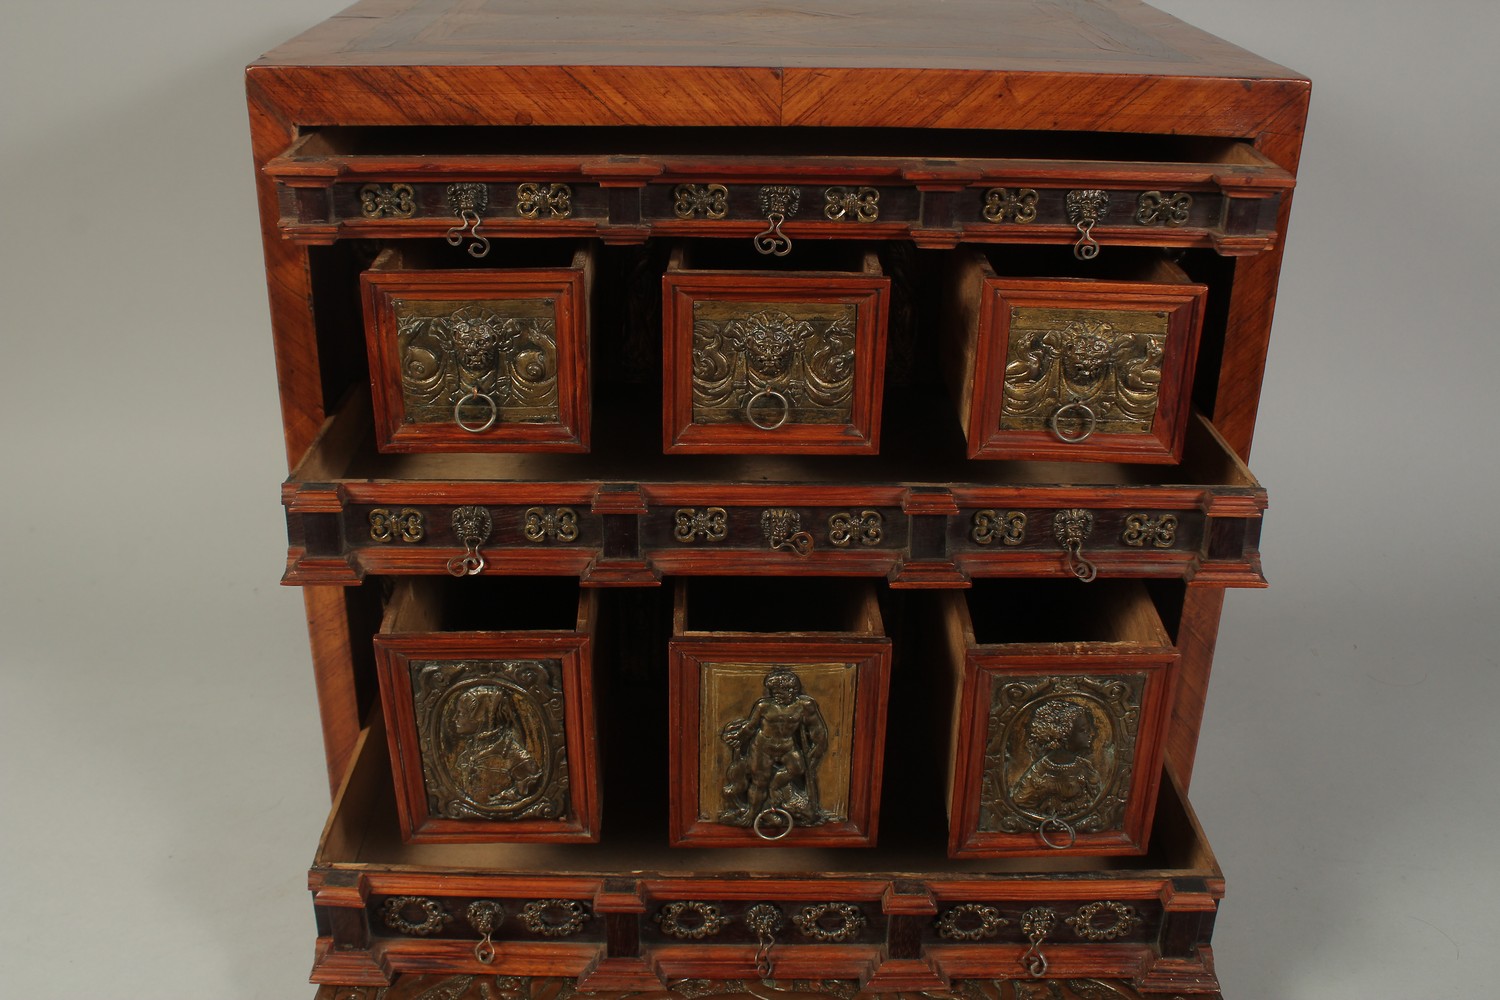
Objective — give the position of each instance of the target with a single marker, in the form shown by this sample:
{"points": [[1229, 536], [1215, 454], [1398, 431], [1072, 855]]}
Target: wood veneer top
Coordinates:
{"points": [[1047, 36]]}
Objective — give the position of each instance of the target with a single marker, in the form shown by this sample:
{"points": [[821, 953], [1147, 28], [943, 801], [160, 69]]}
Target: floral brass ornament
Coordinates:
{"points": [[970, 922], [1085, 210], [1122, 921], [468, 201], [1157, 209], [472, 526], [543, 525], [386, 526], [782, 529], [845, 526], [857, 204], [708, 200], [1009, 528], [1080, 371], [1036, 924], [430, 915], [691, 921], [778, 202], [1071, 528], [493, 738], [478, 363], [1160, 532], [830, 923], [766, 920], [554, 917], [1005, 205], [710, 525], [484, 915], [775, 753], [1059, 752], [532, 198], [760, 364], [377, 201]]}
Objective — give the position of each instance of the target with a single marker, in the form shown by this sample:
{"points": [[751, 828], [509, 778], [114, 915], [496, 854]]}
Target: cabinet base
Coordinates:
{"points": [[466, 987]]}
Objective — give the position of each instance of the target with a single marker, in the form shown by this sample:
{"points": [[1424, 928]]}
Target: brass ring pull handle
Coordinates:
{"points": [[471, 526], [483, 915], [765, 919], [1070, 528], [786, 826], [782, 530], [1036, 924], [780, 202], [467, 202], [476, 395], [772, 394], [1090, 422], [1053, 823], [1085, 209]]}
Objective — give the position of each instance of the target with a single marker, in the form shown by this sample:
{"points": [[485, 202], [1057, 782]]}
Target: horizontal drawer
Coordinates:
{"points": [[778, 693], [775, 354], [1073, 368], [1060, 702], [492, 358], [387, 907], [629, 515], [346, 183], [488, 697]]}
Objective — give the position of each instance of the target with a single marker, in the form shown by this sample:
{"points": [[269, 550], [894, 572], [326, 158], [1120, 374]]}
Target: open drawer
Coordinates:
{"points": [[936, 188], [1060, 703]]}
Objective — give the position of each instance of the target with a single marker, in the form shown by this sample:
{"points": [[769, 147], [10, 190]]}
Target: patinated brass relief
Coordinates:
{"points": [[1059, 750], [775, 745], [478, 362], [493, 738], [1080, 371], [758, 363], [378, 201]]}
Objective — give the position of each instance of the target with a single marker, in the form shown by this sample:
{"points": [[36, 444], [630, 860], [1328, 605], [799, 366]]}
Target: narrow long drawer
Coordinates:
{"points": [[628, 515], [350, 184]]}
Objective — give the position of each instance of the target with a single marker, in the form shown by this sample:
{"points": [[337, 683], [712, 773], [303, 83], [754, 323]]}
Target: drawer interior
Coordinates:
{"points": [[482, 604], [774, 606], [1033, 612]]}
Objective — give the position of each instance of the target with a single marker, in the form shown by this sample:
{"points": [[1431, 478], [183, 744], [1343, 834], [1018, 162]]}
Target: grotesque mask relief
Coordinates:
{"points": [[775, 747], [493, 738], [1109, 362], [785, 362], [1060, 749], [506, 350]]}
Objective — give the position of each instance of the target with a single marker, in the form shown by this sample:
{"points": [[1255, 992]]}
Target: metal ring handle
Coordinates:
{"points": [[773, 242], [1035, 962], [484, 951], [1078, 565], [773, 810], [471, 563], [1087, 248], [474, 393], [1052, 822], [1088, 431], [786, 409]]}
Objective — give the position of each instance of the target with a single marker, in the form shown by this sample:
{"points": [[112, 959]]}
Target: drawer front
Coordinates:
{"points": [[471, 360], [1074, 370], [475, 919], [492, 733], [758, 362], [776, 740], [1060, 708]]}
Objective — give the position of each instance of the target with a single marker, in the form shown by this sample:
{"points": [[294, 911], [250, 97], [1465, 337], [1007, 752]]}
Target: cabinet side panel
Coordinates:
{"points": [[1196, 635]]}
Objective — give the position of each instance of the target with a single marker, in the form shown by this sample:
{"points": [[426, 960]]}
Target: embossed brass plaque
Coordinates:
{"points": [[493, 738], [776, 736], [1103, 363], [773, 363], [502, 349], [1060, 748]]}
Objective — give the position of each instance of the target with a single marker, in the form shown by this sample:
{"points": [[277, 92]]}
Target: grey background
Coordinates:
{"points": [[162, 777]]}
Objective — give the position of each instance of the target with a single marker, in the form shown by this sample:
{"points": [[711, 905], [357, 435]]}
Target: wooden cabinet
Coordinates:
{"points": [[764, 487]]}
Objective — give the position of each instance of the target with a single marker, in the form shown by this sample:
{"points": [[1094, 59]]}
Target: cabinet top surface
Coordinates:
{"points": [[1010, 36]]}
